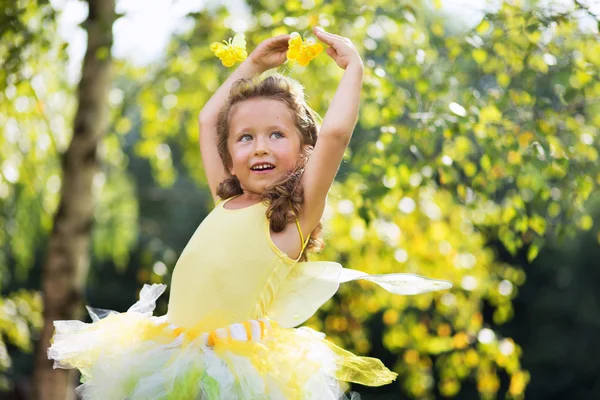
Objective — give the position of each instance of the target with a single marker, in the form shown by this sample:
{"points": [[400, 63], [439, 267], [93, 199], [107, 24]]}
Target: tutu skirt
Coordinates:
{"points": [[134, 355]]}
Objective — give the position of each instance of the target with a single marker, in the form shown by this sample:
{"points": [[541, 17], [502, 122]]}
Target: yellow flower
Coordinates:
{"points": [[302, 51], [232, 51]]}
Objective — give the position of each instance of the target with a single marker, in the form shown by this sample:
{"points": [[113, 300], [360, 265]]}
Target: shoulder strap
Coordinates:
{"points": [[304, 243]]}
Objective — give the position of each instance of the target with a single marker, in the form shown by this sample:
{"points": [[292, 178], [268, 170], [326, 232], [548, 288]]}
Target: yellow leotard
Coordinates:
{"points": [[229, 270]]}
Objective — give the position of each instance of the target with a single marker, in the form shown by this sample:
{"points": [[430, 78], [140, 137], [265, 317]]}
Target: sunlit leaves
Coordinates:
{"points": [[20, 318], [22, 25], [33, 108], [37, 106]]}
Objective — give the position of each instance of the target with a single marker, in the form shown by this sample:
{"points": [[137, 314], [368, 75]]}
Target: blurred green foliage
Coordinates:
{"points": [[465, 138]]}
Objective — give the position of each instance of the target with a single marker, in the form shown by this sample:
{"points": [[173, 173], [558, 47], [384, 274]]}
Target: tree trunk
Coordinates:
{"points": [[67, 260]]}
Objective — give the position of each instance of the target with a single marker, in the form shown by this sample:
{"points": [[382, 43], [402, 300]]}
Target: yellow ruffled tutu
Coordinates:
{"points": [[134, 355]]}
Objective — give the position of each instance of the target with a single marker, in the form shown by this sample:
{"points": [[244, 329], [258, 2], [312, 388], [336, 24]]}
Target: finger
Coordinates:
{"points": [[319, 29], [325, 37], [331, 52], [331, 39], [280, 38]]}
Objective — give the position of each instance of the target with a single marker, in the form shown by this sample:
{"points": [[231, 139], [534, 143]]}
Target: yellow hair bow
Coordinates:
{"points": [[302, 51], [232, 51]]}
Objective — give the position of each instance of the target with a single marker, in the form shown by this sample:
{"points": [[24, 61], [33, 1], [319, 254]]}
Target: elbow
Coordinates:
{"points": [[205, 117], [202, 118], [341, 136]]}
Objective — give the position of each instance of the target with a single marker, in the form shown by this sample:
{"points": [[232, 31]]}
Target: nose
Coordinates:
{"points": [[260, 146]]}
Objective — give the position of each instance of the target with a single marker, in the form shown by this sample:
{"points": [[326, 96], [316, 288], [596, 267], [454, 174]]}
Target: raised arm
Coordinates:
{"points": [[336, 130], [269, 54]]}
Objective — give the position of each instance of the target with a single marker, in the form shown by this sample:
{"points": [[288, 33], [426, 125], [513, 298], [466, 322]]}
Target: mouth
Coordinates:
{"points": [[262, 167]]}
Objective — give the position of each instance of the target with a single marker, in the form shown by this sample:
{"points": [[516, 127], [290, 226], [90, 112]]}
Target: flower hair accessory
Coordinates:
{"points": [[232, 51], [302, 51]]}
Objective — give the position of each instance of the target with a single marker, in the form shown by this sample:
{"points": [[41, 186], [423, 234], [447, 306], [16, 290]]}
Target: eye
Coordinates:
{"points": [[279, 134], [245, 137]]}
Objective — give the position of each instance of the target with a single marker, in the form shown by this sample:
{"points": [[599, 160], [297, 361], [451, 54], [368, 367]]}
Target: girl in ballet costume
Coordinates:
{"points": [[243, 283]]}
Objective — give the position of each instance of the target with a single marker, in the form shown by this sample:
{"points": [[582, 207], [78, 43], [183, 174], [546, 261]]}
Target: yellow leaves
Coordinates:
{"points": [[500, 49], [525, 139], [470, 170], [489, 114], [231, 51], [479, 55], [521, 97], [483, 27], [123, 125], [485, 162], [537, 223], [534, 37], [449, 387], [390, 316], [545, 127], [532, 252], [592, 53], [537, 63], [579, 79], [557, 148], [370, 114], [411, 356], [463, 145], [503, 79], [585, 222], [555, 170], [514, 157], [554, 210], [460, 340], [472, 358], [422, 86], [487, 382], [518, 383], [336, 323], [437, 29], [302, 51], [444, 330]]}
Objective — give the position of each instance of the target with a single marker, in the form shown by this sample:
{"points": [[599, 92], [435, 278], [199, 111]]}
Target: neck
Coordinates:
{"points": [[250, 196]]}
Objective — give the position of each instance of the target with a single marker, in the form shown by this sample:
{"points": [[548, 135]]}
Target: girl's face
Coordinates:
{"points": [[263, 143]]}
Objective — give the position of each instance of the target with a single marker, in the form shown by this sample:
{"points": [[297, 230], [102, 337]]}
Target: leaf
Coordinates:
{"points": [[532, 252]]}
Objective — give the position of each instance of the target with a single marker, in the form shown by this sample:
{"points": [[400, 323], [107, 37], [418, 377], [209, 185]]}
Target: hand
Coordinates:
{"points": [[341, 49], [270, 53]]}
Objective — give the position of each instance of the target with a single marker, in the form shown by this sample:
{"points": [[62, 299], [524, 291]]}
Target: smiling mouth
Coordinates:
{"points": [[262, 167]]}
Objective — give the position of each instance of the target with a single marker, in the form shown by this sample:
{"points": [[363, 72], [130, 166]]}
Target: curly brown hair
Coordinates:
{"points": [[284, 197]]}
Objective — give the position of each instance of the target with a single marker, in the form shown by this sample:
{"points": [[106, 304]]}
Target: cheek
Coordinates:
{"points": [[291, 155], [239, 155]]}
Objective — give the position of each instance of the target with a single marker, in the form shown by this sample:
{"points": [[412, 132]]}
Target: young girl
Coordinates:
{"points": [[243, 283]]}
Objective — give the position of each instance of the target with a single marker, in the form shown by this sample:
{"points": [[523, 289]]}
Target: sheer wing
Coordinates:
{"points": [[308, 286], [397, 283], [311, 284]]}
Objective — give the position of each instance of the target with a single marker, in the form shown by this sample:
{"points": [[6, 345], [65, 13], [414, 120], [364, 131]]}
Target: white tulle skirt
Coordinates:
{"points": [[134, 355]]}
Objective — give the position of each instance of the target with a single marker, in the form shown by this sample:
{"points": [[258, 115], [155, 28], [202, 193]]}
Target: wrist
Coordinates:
{"points": [[356, 68], [253, 67], [356, 65]]}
